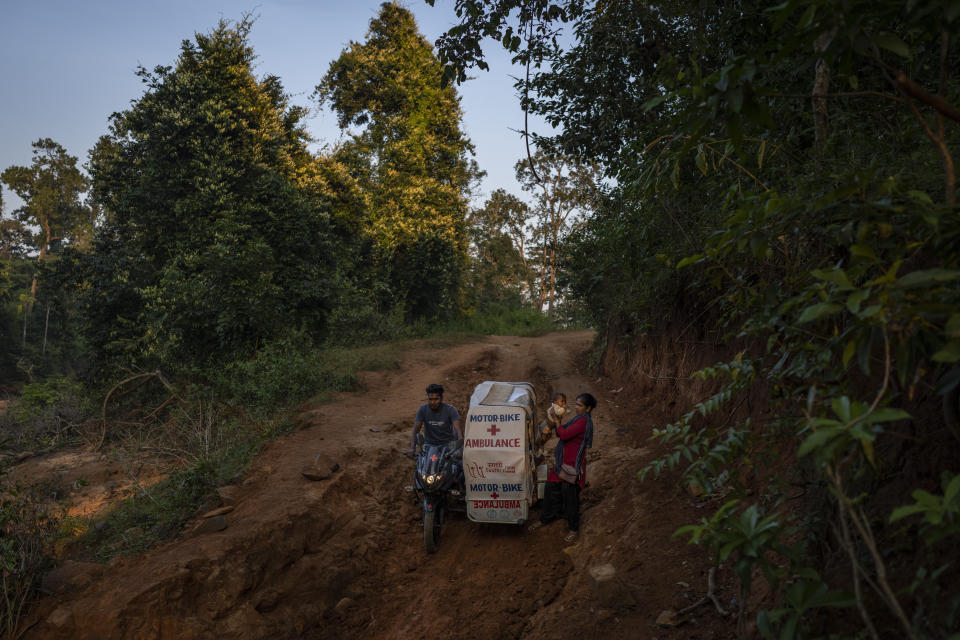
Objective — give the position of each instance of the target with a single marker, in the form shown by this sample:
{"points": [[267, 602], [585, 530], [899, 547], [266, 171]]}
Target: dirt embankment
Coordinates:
{"points": [[344, 558]]}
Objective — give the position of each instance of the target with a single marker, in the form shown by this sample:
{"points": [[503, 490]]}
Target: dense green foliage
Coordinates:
{"points": [[210, 245], [411, 158], [784, 182]]}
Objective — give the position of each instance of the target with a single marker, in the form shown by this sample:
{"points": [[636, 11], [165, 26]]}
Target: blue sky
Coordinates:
{"points": [[66, 65]]}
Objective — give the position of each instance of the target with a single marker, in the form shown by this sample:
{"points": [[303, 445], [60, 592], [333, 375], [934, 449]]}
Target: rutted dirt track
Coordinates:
{"points": [[344, 557]]}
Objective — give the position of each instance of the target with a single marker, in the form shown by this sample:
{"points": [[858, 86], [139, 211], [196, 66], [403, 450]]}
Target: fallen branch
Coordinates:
{"points": [[711, 596], [139, 376]]}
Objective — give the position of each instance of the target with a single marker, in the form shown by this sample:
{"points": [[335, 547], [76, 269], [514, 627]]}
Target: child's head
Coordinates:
{"points": [[559, 399]]}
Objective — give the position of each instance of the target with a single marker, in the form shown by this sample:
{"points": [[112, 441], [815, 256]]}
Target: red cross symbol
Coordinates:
{"points": [[493, 430], [433, 458], [494, 495]]}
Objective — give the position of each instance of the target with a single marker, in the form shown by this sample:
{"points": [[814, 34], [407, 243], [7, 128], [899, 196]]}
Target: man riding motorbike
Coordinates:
{"points": [[440, 423]]}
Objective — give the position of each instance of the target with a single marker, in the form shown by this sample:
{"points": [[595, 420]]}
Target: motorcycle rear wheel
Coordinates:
{"points": [[431, 530]]}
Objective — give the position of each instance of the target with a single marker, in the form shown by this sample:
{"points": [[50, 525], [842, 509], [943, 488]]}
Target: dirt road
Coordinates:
{"points": [[344, 558]]}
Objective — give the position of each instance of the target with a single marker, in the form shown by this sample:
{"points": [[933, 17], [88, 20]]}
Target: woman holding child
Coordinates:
{"points": [[561, 497]]}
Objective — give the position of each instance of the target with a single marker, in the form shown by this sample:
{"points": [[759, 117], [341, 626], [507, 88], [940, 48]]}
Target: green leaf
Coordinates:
{"points": [[690, 260], [726, 550], [817, 311], [855, 298], [949, 353], [926, 277], [892, 43], [807, 18], [836, 276], [653, 102], [870, 311], [817, 439], [920, 196], [952, 491], [887, 415], [863, 251], [701, 161], [952, 329], [907, 510], [849, 351], [841, 407]]}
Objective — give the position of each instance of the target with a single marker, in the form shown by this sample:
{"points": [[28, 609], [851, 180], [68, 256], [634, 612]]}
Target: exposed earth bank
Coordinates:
{"points": [[343, 557]]}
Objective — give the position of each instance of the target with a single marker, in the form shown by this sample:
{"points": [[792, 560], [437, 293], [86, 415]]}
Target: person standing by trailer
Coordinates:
{"points": [[561, 497], [440, 421]]}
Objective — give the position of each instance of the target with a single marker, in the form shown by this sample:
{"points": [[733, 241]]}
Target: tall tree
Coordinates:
{"points": [[498, 236], [211, 242], [564, 191], [410, 156], [52, 190]]}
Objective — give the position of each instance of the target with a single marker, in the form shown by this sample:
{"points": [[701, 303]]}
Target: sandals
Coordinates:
{"points": [[570, 537], [534, 526]]}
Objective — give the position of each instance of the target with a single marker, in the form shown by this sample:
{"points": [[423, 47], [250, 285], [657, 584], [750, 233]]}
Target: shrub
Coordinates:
{"points": [[45, 413], [27, 532]]}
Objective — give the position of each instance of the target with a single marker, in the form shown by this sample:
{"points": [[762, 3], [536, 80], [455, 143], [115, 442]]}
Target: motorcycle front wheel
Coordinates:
{"points": [[431, 529]]}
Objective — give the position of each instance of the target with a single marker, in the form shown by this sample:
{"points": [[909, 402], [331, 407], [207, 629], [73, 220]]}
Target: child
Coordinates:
{"points": [[557, 410], [549, 426]]}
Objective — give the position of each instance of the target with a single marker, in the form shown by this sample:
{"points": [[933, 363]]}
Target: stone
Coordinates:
{"points": [[668, 618], [310, 473], [218, 512], [60, 617], [322, 468], [268, 601], [210, 525], [344, 603], [694, 489], [610, 590], [230, 494]]}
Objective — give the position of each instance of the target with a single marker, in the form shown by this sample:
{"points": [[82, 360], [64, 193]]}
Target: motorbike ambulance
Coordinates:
{"points": [[498, 463]]}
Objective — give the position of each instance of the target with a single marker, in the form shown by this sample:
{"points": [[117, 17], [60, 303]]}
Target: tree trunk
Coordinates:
{"points": [[553, 280], [46, 326], [821, 84]]}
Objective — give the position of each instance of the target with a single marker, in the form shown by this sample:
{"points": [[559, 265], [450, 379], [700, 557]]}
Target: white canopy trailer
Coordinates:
{"points": [[498, 463]]}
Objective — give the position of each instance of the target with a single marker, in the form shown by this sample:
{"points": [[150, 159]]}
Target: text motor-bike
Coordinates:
{"points": [[437, 477]]}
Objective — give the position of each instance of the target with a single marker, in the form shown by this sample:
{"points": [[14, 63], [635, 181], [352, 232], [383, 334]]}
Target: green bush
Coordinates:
{"points": [[44, 413], [27, 532], [503, 320]]}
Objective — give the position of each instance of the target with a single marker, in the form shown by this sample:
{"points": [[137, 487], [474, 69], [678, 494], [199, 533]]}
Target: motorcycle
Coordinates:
{"points": [[437, 477]]}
